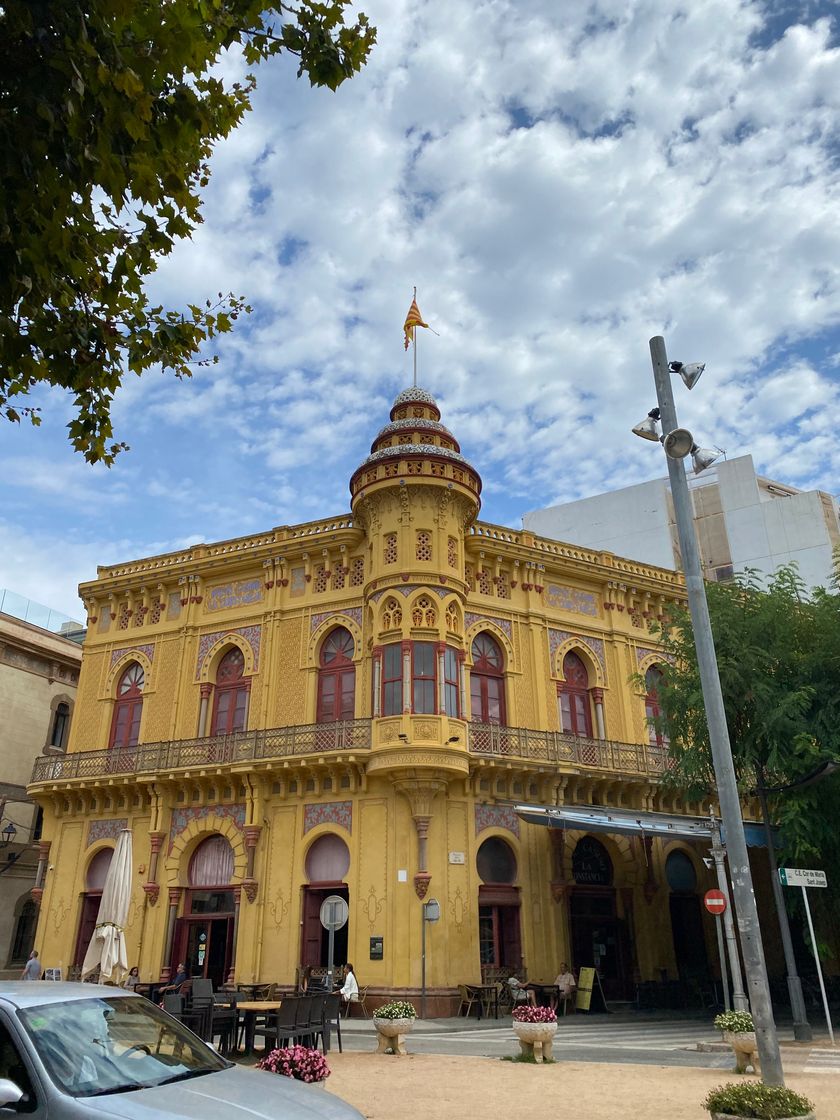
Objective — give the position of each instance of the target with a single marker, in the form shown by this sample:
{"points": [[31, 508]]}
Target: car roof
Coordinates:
{"points": [[35, 993]]}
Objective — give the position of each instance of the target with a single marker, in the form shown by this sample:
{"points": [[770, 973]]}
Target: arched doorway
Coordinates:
{"points": [[686, 920], [327, 864], [487, 681], [499, 925], [599, 936], [128, 709], [24, 935], [204, 935], [230, 700], [94, 882], [337, 678]]}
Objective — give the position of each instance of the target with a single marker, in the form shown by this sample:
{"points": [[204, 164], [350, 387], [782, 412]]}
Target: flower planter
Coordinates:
{"points": [[745, 1049], [535, 1039], [729, 1116], [390, 1034]]}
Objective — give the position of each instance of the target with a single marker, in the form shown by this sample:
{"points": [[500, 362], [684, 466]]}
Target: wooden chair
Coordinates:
{"points": [[468, 998], [332, 1018]]}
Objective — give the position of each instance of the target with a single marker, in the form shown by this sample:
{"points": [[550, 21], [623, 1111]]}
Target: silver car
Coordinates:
{"points": [[85, 1052]]}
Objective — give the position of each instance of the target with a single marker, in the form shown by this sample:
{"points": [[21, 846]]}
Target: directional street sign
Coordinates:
{"points": [[715, 901], [799, 877], [334, 912]]}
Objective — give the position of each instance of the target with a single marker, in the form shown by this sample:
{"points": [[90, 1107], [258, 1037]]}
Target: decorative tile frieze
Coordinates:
{"points": [[504, 624], [147, 651], [105, 830], [571, 599], [181, 818], [353, 613], [496, 816], [643, 652], [556, 638], [235, 593], [334, 812], [251, 634]]}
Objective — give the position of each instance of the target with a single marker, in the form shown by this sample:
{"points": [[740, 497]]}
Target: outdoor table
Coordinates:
{"points": [[485, 993], [251, 1009], [543, 993]]}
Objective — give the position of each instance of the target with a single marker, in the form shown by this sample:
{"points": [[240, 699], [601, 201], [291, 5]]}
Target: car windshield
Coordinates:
{"points": [[91, 1047]]}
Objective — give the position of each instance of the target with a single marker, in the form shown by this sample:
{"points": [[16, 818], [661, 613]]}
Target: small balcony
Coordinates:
{"points": [[494, 741], [210, 751]]}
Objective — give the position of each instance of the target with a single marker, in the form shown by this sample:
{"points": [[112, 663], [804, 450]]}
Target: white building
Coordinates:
{"points": [[743, 521]]}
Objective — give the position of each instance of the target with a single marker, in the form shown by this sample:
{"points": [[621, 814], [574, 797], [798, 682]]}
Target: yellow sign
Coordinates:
{"points": [[586, 982]]}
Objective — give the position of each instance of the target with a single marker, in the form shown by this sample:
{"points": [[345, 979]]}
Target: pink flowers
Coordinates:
{"points": [[524, 1013], [298, 1062]]}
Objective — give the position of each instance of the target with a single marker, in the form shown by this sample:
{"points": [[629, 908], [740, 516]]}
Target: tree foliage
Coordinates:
{"points": [[109, 111], [778, 654]]}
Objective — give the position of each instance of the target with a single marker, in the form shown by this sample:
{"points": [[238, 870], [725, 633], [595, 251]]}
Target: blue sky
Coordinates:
{"points": [[560, 181]]}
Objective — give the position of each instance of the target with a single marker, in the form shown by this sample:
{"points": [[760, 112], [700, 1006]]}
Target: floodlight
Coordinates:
{"points": [[702, 457], [678, 443], [647, 428], [688, 371]]}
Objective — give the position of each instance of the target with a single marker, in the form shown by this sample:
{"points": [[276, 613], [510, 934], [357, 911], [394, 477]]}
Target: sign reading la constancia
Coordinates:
{"points": [[799, 877], [237, 593]]}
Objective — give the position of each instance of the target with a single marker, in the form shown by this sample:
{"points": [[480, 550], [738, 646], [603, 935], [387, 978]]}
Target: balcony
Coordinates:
{"points": [[213, 750], [494, 741]]}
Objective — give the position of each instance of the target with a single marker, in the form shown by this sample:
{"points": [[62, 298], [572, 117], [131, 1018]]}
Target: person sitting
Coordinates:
{"points": [[350, 989], [564, 985], [182, 975], [132, 980], [521, 993]]}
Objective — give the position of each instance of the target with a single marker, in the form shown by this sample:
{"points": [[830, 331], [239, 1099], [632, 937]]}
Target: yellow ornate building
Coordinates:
{"points": [[355, 706]]}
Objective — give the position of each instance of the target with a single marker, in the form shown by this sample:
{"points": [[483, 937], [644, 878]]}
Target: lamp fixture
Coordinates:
{"points": [[9, 832], [702, 457], [688, 371], [454, 739], [678, 443], [647, 428], [402, 735]]}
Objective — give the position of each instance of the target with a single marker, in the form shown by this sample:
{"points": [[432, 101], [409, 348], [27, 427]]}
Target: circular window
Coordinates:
{"points": [[328, 860], [98, 869], [591, 865], [680, 872], [212, 863], [496, 862]]}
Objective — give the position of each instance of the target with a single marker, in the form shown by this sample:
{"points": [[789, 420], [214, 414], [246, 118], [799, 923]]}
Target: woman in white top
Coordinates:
{"points": [[350, 989]]}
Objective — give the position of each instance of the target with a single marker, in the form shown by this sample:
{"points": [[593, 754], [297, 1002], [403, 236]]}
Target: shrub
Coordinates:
{"points": [[298, 1062], [736, 1021], [524, 1013], [397, 1009], [757, 1102]]}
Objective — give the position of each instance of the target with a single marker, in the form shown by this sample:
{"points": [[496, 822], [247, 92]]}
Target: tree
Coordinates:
{"points": [[778, 654], [109, 110]]}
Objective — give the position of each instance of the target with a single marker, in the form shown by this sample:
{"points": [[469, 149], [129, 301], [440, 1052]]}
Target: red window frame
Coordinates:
{"points": [[652, 710], [424, 678], [451, 683], [128, 708], [487, 681], [336, 678], [392, 679], [230, 701], [573, 698]]}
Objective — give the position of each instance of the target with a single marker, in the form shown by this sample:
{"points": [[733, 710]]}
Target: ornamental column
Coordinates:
{"points": [[598, 699], [174, 901], [206, 693], [151, 886], [420, 793], [249, 883], [237, 900], [37, 892]]}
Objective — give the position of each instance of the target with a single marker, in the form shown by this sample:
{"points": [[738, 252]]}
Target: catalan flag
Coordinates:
{"points": [[413, 319]]}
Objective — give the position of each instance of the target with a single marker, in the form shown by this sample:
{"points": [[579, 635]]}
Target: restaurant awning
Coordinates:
{"points": [[591, 818]]}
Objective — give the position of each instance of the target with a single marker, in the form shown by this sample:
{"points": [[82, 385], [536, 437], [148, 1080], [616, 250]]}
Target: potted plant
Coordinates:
{"points": [[301, 1063], [757, 1102], [393, 1021], [739, 1032], [535, 1028]]}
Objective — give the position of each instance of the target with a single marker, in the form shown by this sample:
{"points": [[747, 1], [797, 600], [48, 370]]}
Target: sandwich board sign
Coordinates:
{"points": [[589, 984]]}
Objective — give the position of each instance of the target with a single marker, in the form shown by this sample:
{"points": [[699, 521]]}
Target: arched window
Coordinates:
{"points": [[97, 871], [680, 872], [337, 678], [499, 932], [125, 726], [573, 695], [328, 860], [58, 732], [591, 864], [230, 703], [496, 861], [653, 682], [487, 682], [212, 863]]}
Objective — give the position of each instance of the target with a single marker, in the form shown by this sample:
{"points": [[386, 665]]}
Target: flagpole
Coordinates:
{"points": [[414, 340]]}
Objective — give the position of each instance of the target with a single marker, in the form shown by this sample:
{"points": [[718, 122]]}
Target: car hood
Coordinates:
{"points": [[231, 1094]]}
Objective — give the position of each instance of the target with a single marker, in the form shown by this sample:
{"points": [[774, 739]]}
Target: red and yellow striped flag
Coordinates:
{"points": [[413, 319]]}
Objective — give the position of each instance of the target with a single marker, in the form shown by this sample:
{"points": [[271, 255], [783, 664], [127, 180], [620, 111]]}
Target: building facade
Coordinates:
{"points": [[39, 672], [355, 706], [742, 521]]}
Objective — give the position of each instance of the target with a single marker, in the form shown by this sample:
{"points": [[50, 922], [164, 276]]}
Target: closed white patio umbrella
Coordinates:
{"points": [[107, 945]]}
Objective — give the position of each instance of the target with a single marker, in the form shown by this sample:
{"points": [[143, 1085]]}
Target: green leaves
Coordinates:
{"points": [[108, 116]]}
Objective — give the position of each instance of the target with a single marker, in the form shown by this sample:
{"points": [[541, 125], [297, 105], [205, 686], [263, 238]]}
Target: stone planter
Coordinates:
{"points": [[390, 1034], [729, 1116], [535, 1039], [745, 1049]]}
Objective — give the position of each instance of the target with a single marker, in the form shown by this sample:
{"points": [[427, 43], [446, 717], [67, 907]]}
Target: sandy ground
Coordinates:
{"points": [[435, 1087]]}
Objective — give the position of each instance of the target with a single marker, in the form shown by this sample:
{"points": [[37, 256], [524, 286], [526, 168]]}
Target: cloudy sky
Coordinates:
{"points": [[560, 180]]}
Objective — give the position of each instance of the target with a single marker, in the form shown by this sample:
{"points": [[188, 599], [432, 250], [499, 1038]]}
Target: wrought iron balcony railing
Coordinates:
{"points": [[213, 750], [554, 746]]}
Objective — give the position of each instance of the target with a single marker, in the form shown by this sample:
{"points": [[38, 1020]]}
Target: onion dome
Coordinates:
{"points": [[415, 445]]}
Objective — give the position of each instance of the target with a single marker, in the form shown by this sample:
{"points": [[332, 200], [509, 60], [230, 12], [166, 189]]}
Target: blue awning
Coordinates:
{"points": [[591, 818]]}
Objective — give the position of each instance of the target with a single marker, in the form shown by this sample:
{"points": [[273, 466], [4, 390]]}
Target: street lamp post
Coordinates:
{"points": [[727, 787], [431, 913]]}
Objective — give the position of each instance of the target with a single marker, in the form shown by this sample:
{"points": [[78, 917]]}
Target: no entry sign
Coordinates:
{"points": [[714, 901]]}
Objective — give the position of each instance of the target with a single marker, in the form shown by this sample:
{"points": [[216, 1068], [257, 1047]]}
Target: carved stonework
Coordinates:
{"points": [[250, 886], [421, 883], [496, 816], [334, 812], [152, 892]]}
